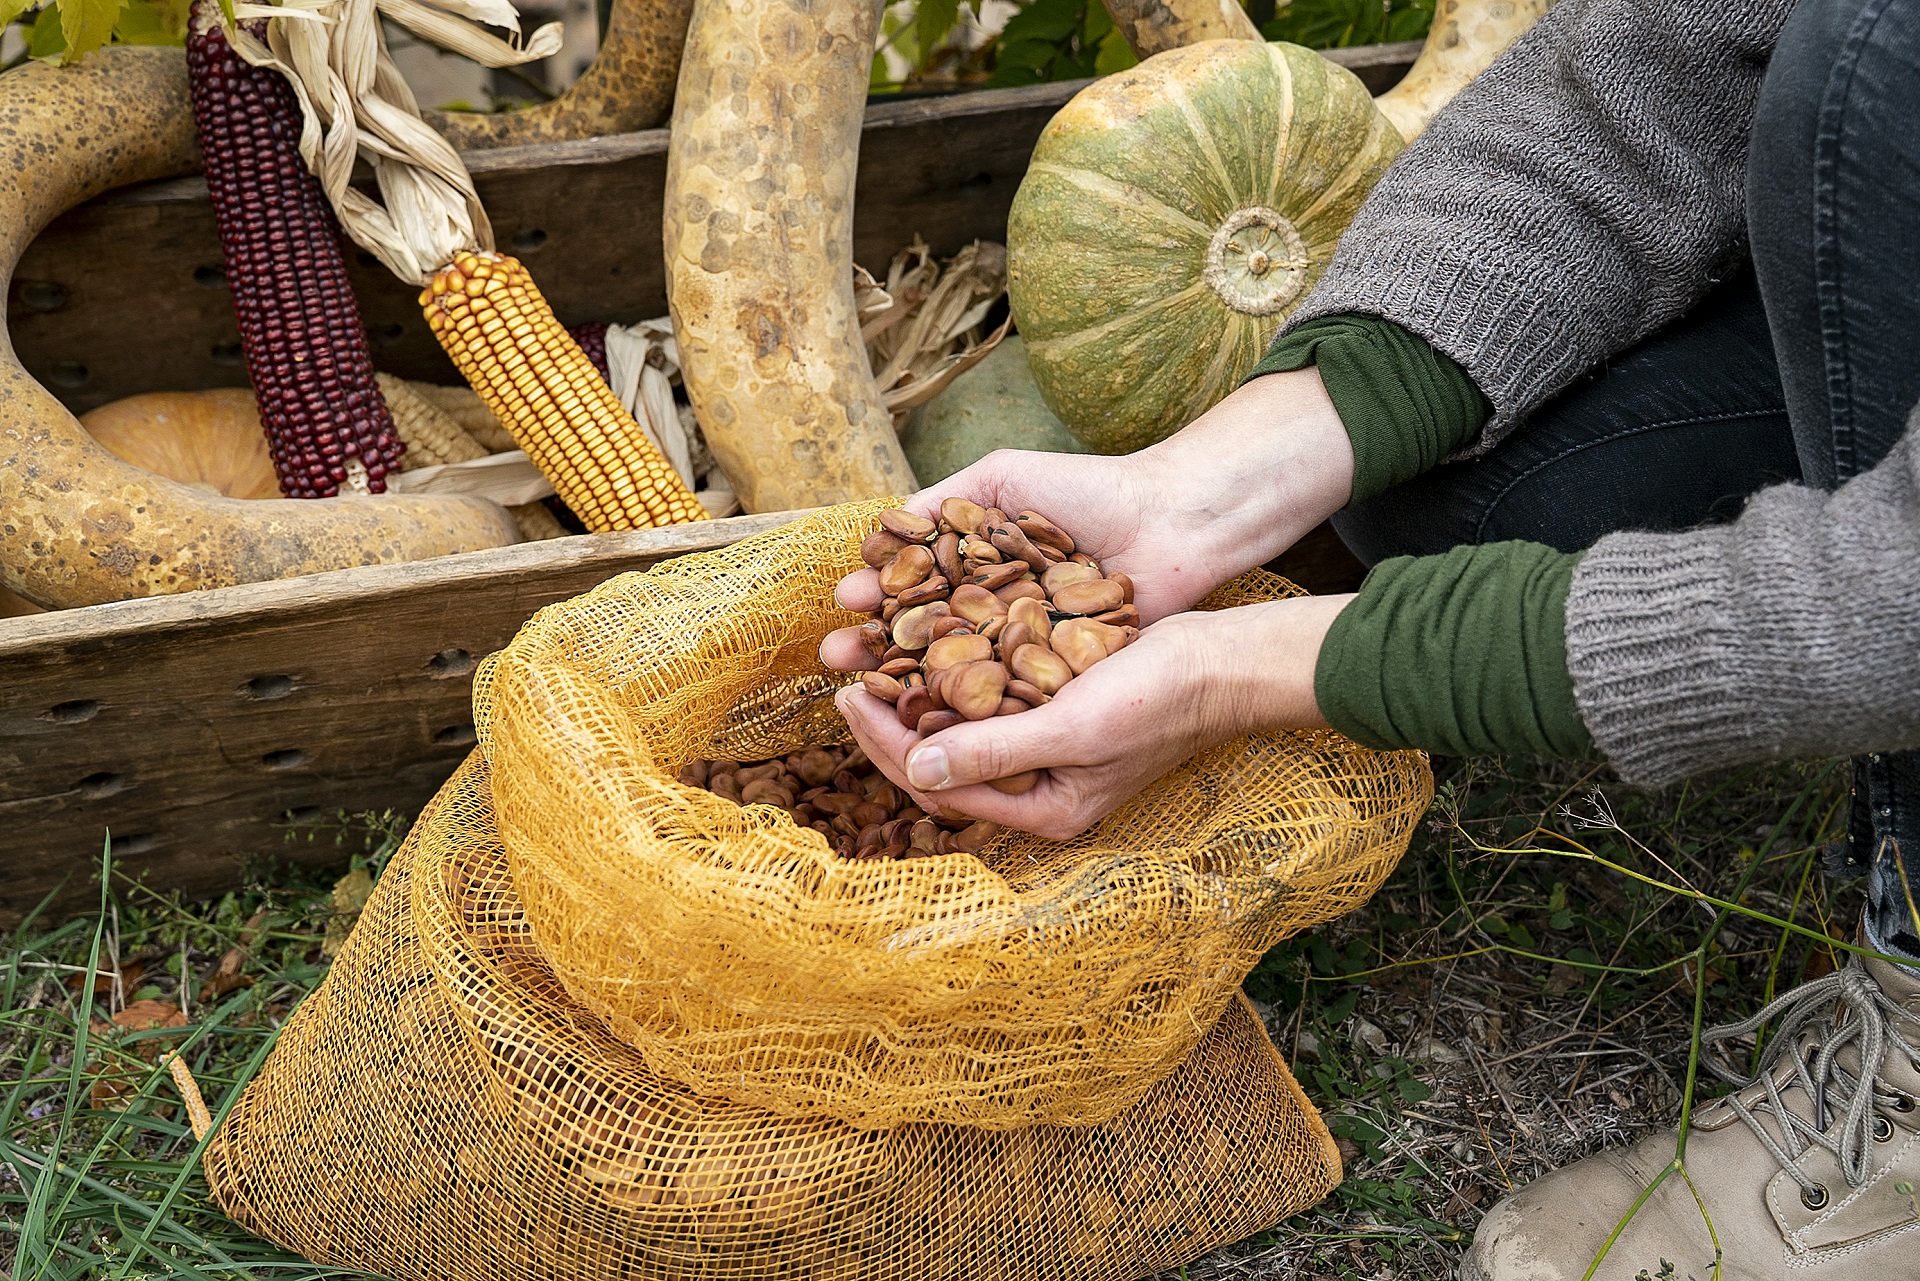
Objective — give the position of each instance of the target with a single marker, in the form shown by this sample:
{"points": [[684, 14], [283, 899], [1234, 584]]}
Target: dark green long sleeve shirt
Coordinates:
{"points": [[1463, 653]]}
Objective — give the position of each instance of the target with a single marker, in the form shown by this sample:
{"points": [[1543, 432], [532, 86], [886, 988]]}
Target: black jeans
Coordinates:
{"points": [[1803, 367]]}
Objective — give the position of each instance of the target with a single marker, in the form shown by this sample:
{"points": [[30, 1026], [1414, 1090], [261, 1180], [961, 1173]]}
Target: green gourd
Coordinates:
{"points": [[994, 405], [1171, 218]]}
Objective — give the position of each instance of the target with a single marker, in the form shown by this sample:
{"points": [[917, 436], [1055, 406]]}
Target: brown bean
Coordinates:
{"points": [[973, 688], [880, 548], [1035, 614], [1095, 597], [868, 814], [977, 548], [950, 650], [818, 765], [898, 667], [962, 515], [914, 628], [913, 528], [1039, 529], [882, 686], [933, 589], [1126, 585], [1014, 635], [725, 785], [1011, 706], [873, 638], [1014, 545], [940, 718], [995, 577], [946, 557], [1084, 642], [950, 626], [924, 834], [914, 704], [1065, 572], [1027, 692], [1125, 616], [992, 628], [975, 836], [976, 604], [766, 792], [912, 566], [1042, 668], [694, 774], [1016, 784], [1026, 590], [755, 773]]}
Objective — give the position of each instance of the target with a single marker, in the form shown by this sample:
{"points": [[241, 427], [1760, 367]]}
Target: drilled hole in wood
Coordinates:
{"points": [[529, 240], [226, 353], [72, 713], [301, 814], [69, 373], [210, 277], [978, 183], [449, 663], [386, 335], [139, 843], [42, 295], [285, 758], [99, 786], [456, 736], [267, 688]]}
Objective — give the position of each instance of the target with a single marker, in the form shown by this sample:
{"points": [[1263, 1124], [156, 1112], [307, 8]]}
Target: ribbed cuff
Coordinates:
{"points": [[1463, 654], [1405, 406], [1658, 672]]}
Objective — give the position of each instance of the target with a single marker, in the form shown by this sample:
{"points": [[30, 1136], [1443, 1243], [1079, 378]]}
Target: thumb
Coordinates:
{"points": [[980, 751]]}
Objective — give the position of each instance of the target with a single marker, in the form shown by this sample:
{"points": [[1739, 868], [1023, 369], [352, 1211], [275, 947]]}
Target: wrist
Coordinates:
{"points": [[1244, 481], [1273, 650]]}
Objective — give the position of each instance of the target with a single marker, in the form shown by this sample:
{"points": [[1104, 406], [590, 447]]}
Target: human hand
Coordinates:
{"points": [[1187, 683]]}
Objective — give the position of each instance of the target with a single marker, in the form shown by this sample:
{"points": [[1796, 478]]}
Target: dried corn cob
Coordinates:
{"points": [[300, 330], [464, 406], [489, 316], [431, 436], [592, 338]]}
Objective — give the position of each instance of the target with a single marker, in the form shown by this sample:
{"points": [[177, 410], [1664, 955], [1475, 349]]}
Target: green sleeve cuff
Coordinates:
{"points": [[1463, 654], [1405, 406]]}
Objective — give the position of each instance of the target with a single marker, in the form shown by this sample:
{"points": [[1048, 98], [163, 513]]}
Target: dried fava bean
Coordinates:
{"points": [[968, 616]]}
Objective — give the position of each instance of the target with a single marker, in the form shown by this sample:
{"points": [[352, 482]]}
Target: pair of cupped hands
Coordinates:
{"points": [[1229, 492]]}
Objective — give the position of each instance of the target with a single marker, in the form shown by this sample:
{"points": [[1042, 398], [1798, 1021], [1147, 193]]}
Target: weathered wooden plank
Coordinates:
{"points": [[194, 726]]}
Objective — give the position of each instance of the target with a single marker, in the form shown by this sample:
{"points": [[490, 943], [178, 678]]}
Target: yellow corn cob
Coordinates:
{"points": [[486, 312], [432, 437]]}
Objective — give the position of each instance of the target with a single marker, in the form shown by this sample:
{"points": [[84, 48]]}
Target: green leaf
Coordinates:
{"points": [[46, 40], [933, 21], [86, 25], [144, 22], [11, 9]]}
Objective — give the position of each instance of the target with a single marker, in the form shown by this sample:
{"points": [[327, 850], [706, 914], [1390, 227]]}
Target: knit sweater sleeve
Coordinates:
{"points": [[1793, 632], [1583, 191]]}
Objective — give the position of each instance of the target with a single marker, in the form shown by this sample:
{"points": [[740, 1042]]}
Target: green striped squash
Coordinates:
{"points": [[1172, 216]]}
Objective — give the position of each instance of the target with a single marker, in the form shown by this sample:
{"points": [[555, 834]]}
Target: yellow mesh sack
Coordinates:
{"points": [[1041, 982], [439, 1110]]}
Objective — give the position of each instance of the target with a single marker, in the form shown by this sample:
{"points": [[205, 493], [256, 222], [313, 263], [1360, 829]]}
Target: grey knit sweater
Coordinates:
{"points": [[1583, 192]]}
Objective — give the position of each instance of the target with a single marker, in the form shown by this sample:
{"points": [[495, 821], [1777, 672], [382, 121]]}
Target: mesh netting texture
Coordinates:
{"points": [[440, 1108], [1040, 982]]}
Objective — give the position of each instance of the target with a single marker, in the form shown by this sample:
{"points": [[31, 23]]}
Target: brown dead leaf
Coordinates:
{"points": [[228, 975], [143, 1016]]}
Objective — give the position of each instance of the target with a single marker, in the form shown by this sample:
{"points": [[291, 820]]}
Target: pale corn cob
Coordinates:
{"points": [[464, 406], [537, 523], [489, 316], [432, 437]]}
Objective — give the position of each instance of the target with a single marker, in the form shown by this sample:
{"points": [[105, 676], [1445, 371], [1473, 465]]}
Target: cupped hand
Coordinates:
{"points": [[1188, 683]]}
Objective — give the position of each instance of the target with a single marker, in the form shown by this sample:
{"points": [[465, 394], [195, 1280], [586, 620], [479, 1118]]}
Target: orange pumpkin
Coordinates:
{"points": [[209, 440]]}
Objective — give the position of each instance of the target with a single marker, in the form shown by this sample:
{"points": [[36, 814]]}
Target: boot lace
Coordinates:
{"points": [[1818, 1021]]}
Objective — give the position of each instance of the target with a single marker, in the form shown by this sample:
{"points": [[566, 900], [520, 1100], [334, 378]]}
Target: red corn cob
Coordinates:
{"points": [[300, 329], [592, 338]]}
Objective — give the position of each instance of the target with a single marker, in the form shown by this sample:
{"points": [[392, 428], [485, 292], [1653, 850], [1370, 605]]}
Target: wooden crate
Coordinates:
{"points": [[208, 730]]}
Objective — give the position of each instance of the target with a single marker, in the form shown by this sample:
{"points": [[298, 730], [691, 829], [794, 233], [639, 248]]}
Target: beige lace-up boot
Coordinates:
{"points": [[1809, 1172]]}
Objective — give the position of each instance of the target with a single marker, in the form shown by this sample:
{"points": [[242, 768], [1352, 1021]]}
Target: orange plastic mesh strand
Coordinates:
{"points": [[1040, 982], [440, 1110]]}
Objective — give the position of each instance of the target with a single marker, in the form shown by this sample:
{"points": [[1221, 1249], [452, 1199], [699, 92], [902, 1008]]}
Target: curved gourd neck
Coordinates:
{"points": [[1467, 35]]}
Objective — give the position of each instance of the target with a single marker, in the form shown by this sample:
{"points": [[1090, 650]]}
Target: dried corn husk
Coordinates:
{"points": [[355, 105], [922, 328]]}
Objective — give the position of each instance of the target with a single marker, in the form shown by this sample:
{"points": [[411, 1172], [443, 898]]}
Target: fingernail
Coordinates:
{"points": [[927, 769]]}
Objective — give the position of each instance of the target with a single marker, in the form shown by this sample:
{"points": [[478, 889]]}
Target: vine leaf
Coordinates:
{"points": [[86, 25]]}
